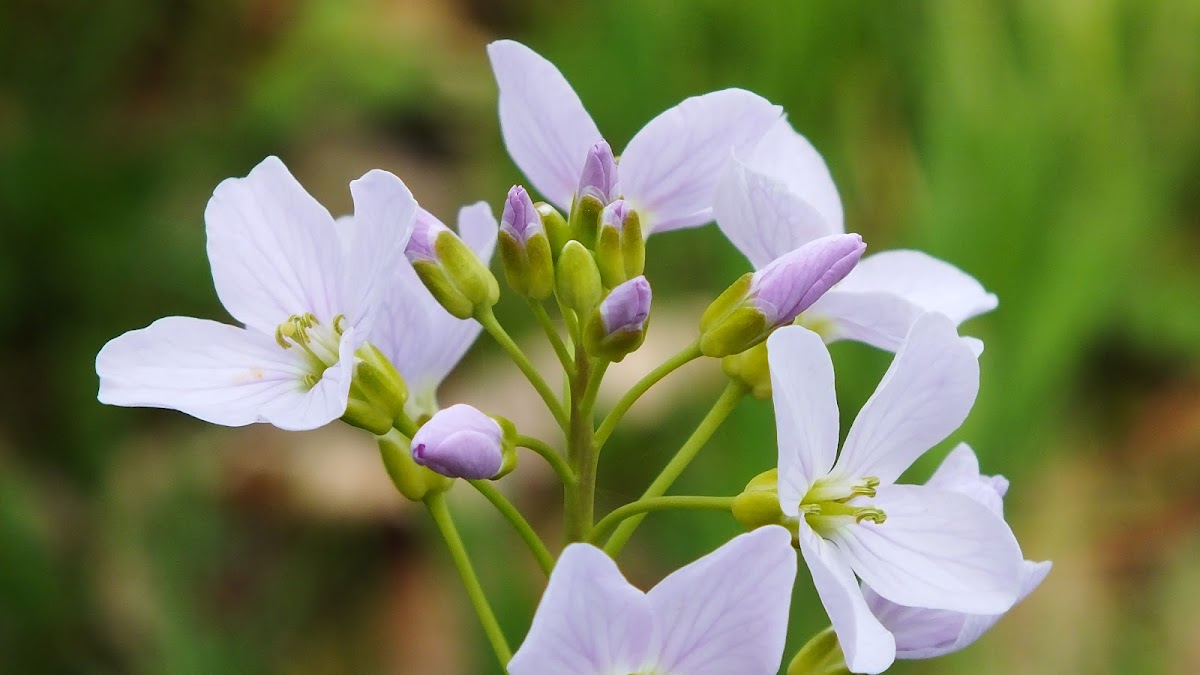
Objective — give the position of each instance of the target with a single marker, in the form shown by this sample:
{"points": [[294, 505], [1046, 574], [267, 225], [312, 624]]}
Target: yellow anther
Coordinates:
{"points": [[870, 513], [339, 324], [311, 380]]}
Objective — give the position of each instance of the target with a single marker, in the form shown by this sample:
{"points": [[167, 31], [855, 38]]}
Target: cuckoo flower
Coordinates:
{"points": [[919, 546], [307, 290], [724, 613], [460, 442], [417, 334], [781, 195], [667, 172], [925, 633]]}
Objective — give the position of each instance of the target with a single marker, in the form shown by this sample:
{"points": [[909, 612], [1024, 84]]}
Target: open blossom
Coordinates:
{"points": [[724, 613], [918, 546], [417, 334], [668, 170], [781, 195], [925, 633], [307, 289]]}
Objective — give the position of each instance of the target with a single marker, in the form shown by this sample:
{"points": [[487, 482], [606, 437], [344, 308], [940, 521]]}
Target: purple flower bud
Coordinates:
{"points": [[426, 229], [460, 442], [615, 215], [520, 219], [792, 282], [626, 307], [599, 178]]}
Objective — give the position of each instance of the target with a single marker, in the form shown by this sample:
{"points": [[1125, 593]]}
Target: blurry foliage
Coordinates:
{"points": [[1051, 149]]}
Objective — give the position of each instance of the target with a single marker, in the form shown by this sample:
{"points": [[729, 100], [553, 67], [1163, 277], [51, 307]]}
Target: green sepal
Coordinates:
{"points": [[758, 504], [726, 302], [578, 279], [614, 347], [738, 331], [822, 655], [466, 271], [751, 369], [585, 220], [555, 225], [444, 290], [366, 416], [609, 259], [633, 246], [529, 270], [411, 479], [508, 446], [377, 392]]}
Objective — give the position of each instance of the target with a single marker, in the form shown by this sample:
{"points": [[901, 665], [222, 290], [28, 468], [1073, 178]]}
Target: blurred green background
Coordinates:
{"points": [[1052, 149]]}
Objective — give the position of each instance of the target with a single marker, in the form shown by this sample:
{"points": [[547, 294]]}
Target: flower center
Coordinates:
{"points": [[826, 506], [320, 343]]}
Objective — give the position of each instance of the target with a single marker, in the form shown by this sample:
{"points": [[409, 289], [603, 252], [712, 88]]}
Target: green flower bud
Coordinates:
{"points": [[751, 369], [412, 480], [377, 392], [585, 220], [822, 655], [577, 278], [525, 248], [620, 247], [555, 226], [456, 277], [618, 326]]}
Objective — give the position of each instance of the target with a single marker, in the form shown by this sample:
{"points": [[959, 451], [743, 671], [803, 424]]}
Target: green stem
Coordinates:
{"points": [[581, 450], [721, 409], [689, 353], [539, 312], [556, 460], [593, 387], [618, 515], [510, 513], [569, 319], [488, 320], [445, 524]]}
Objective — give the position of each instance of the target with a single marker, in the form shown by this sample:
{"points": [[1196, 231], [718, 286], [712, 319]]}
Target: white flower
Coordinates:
{"points": [[668, 170], [925, 633], [918, 546], [781, 195], [417, 334], [724, 613], [307, 291]]}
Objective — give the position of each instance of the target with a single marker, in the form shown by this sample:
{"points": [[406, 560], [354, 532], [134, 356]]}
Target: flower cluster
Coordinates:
{"points": [[361, 318]]}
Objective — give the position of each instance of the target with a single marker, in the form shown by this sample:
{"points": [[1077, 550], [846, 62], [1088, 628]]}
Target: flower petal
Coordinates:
{"points": [[384, 210], [546, 129], [728, 611], [787, 156], [590, 620], [302, 410], [881, 320], [218, 373], [931, 284], [927, 633], [670, 169], [274, 250], [924, 396], [866, 644], [806, 412], [959, 472], [761, 217], [936, 549], [478, 228]]}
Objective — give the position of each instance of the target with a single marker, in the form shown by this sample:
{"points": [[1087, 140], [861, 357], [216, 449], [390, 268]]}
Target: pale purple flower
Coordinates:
{"points": [[918, 546], [926, 633], [307, 290], [669, 169], [520, 218], [627, 307], [460, 442], [416, 333], [781, 195], [724, 613], [615, 215], [790, 284], [599, 177]]}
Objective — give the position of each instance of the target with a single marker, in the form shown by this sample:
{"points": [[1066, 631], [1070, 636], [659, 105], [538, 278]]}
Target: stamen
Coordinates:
{"points": [[870, 513]]}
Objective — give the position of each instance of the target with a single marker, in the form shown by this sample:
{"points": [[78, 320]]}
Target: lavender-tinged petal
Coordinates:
{"points": [[460, 442], [520, 219], [787, 156], [599, 176], [793, 282], [426, 229], [627, 307]]}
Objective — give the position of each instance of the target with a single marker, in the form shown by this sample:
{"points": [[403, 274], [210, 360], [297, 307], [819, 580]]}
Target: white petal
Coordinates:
{"points": [[761, 217], [881, 320], [927, 633], [866, 644], [936, 549], [728, 611], [924, 396], [546, 129], [590, 620], [325, 402], [670, 169], [806, 412], [274, 250], [478, 228], [789, 157], [931, 284], [384, 210], [218, 373], [959, 472]]}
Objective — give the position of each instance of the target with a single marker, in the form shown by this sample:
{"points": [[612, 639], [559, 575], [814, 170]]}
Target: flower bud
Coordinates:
{"points": [[597, 188], [620, 246], [377, 392], [524, 247], [578, 279], [556, 227], [456, 277], [775, 295], [411, 480], [758, 504], [618, 326], [462, 442], [822, 655]]}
